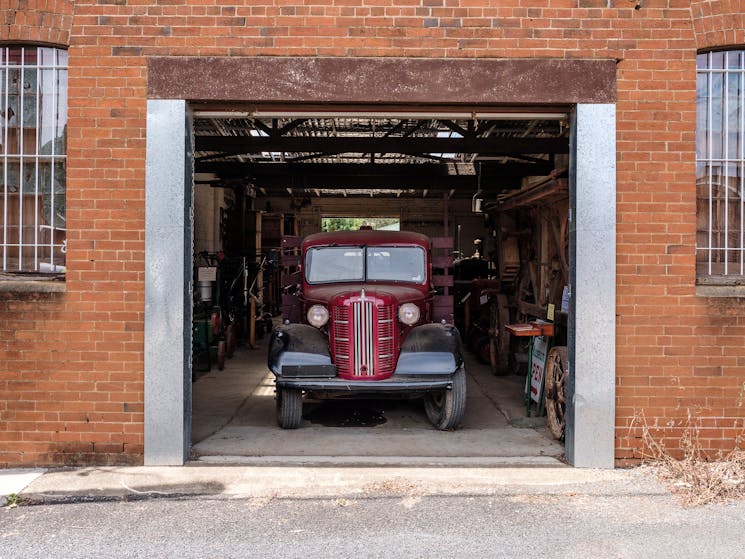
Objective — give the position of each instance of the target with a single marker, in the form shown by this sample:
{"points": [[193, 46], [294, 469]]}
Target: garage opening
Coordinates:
{"points": [[494, 183], [391, 88]]}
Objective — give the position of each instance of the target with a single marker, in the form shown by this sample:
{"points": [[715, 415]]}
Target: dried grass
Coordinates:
{"points": [[394, 486], [695, 477]]}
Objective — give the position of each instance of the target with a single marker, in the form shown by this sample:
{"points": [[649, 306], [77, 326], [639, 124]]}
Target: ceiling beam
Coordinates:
{"points": [[489, 169], [411, 145], [376, 175], [403, 183], [459, 185], [263, 127], [290, 126], [397, 128], [456, 128]]}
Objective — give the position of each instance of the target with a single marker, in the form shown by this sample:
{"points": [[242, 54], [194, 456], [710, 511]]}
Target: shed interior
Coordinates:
{"points": [[494, 179]]}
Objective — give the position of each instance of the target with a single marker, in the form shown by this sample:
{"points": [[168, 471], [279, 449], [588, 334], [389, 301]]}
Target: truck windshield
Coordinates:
{"points": [[351, 264]]}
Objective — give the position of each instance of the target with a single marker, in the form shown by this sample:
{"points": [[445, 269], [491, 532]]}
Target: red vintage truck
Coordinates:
{"points": [[367, 329]]}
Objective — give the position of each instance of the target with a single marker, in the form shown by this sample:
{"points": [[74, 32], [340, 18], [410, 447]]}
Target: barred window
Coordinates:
{"points": [[720, 167], [33, 138]]}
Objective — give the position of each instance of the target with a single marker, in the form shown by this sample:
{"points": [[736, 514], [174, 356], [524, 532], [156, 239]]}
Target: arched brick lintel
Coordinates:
{"points": [[48, 24], [717, 24]]}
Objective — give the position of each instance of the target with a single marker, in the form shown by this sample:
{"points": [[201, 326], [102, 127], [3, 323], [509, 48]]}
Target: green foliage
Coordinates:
{"points": [[354, 223], [340, 223], [12, 501]]}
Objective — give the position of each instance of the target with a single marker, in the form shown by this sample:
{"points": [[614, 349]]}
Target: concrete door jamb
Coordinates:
{"points": [[169, 208]]}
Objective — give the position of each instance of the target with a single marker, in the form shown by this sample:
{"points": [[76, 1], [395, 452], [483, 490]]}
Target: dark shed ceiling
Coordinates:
{"points": [[406, 155]]}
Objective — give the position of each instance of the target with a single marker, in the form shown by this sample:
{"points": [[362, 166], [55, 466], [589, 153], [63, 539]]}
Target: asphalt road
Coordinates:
{"points": [[511, 524]]}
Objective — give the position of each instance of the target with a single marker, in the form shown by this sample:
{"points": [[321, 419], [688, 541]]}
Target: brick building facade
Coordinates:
{"points": [[71, 355]]}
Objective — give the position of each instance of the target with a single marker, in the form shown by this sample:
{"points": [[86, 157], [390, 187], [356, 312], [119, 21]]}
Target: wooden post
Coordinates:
{"points": [[467, 317], [252, 324]]}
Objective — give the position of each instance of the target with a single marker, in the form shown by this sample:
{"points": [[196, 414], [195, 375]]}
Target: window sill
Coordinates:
{"points": [[720, 290], [31, 285]]}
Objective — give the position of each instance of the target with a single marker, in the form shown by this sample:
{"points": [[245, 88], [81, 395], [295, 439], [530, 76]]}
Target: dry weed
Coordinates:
{"points": [[395, 487], [696, 478]]}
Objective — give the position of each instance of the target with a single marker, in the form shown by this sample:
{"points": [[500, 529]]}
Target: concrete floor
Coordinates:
{"points": [[234, 421]]}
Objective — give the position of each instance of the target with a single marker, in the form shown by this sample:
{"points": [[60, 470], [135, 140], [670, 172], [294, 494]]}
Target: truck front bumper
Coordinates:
{"points": [[300, 360], [394, 384]]}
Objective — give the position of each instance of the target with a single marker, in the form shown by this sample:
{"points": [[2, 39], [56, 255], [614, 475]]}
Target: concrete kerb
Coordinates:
{"points": [[13, 482], [314, 482], [383, 461]]}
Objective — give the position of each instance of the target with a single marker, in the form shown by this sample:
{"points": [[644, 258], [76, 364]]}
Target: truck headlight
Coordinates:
{"points": [[318, 315], [408, 313]]}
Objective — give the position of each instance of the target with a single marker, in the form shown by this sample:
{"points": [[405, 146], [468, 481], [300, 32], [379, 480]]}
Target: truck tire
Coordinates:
{"points": [[445, 408], [289, 408]]}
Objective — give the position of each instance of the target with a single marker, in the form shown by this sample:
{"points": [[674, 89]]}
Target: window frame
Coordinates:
{"points": [[33, 153]]}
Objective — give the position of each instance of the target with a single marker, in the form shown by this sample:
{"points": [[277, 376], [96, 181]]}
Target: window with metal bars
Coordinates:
{"points": [[720, 167], [33, 138]]}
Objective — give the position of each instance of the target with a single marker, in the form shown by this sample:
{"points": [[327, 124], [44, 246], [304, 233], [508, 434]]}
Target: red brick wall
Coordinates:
{"points": [[71, 364]]}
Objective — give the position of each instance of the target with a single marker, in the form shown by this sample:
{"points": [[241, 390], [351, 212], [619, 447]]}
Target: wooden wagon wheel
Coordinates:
{"points": [[499, 337], [555, 390], [523, 294]]}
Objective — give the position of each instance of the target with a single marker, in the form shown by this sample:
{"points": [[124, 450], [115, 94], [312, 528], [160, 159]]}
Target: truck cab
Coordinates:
{"points": [[367, 328]]}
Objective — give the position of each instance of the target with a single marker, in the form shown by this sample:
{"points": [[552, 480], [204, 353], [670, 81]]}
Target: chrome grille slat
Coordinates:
{"points": [[357, 337], [369, 339]]}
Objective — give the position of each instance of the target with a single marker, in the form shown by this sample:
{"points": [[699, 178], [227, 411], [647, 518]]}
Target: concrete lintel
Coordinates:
{"points": [[324, 80], [590, 436], [168, 263]]}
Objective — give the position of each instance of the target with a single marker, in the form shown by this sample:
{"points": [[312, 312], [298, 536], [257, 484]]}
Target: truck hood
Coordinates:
{"points": [[400, 293]]}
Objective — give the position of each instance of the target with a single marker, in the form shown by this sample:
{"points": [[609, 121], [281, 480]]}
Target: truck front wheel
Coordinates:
{"points": [[289, 408], [445, 409]]}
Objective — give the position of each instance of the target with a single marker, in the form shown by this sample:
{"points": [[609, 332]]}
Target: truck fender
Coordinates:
{"points": [[430, 349], [297, 345]]}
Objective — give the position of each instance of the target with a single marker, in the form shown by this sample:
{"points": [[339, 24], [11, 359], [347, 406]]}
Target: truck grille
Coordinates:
{"points": [[363, 338]]}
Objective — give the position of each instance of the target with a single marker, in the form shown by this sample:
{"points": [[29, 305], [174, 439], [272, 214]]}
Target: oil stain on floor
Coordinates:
{"points": [[345, 414]]}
